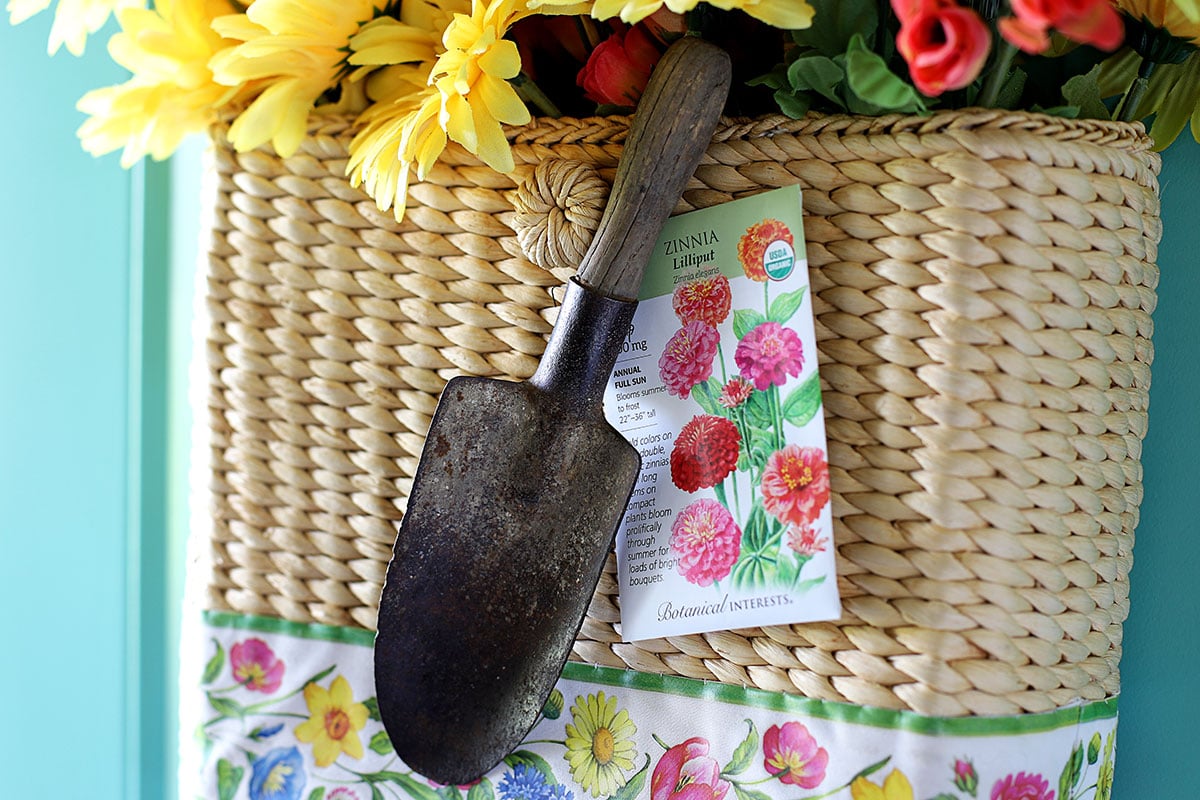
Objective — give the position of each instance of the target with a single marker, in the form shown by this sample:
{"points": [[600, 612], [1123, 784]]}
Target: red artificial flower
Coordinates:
{"points": [[795, 484], [705, 452], [707, 300], [688, 357], [617, 70], [944, 44], [1093, 22], [752, 247]]}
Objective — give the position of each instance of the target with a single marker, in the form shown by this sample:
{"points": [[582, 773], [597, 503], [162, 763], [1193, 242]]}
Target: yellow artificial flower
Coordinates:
{"points": [[786, 14], [172, 92], [73, 19], [335, 722], [1180, 18], [895, 787], [297, 48], [600, 744]]}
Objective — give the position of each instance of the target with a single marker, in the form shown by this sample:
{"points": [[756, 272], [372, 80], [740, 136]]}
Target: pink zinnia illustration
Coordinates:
{"points": [[1022, 786], [706, 300], [804, 542], [736, 392], [795, 484], [752, 247], [688, 358], [255, 666], [792, 748], [688, 772], [768, 354], [707, 541], [705, 452]]}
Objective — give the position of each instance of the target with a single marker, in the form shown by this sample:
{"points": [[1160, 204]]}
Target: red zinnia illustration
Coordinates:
{"points": [[706, 300], [705, 452], [688, 358], [752, 247], [795, 484], [768, 354], [804, 542], [707, 541], [736, 392]]}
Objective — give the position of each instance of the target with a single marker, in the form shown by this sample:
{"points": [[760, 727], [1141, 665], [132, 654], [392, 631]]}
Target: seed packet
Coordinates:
{"points": [[730, 524]]}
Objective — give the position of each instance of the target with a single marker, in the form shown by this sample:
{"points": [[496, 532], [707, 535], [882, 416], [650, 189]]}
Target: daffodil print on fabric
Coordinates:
{"points": [[600, 744], [895, 787], [297, 49], [172, 92], [74, 20], [335, 722]]}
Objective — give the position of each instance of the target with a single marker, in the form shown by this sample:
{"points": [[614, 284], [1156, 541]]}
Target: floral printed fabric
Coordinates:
{"points": [[287, 712]]}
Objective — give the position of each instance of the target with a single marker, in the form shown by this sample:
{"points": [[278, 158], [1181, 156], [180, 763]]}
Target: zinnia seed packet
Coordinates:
{"points": [[730, 524]]}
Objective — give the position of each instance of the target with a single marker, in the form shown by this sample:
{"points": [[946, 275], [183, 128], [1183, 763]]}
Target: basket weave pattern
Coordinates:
{"points": [[982, 284]]}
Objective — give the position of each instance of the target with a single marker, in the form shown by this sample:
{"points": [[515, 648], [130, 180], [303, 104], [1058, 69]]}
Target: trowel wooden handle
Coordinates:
{"points": [[673, 125]]}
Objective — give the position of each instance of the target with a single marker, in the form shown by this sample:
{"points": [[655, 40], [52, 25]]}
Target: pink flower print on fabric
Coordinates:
{"points": [[688, 358], [707, 541], [687, 772], [792, 750], [255, 666], [795, 484], [768, 354], [1022, 786], [707, 300]]}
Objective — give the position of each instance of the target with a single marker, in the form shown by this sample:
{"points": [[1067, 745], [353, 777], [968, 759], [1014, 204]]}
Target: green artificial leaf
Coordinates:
{"points": [[1071, 773], [816, 73], [1117, 71], [1083, 91], [533, 760], [372, 704], [792, 104], [1012, 89], [633, 787], [746, 320], [834, 26], [1179, 105], [785, 306], [869, 78], [225, 706], [381, 744], [415, 788], [1093, 751], [743, 754], [317, 793], [804, 402], [775, 79], [213, 668], [481, 791], [1066, 112], [229, 778]]}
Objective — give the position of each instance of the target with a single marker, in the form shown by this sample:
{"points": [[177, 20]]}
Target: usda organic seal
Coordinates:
{"points": [[779, 260]]}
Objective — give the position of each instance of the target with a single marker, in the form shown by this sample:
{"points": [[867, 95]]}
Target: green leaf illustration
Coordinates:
{"points": [[749, 794], [705, 395], [481, 791], [553, 707], [1072, 772], [229, 778], [533, 760], [746, 320], [944, 796], [381, 744], [317, 793], [785, 306], [743, 754], [376, 794], [320, 676], [449, 793], [633, 786], [372, 704], [804, 585], [1093, 751], [225, 706], [864, 772], [415, 788], [804, 402], [213, 668], [868, 76]]}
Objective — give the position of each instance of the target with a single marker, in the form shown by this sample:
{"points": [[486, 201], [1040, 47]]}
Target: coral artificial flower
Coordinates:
{"points": [[944, 44], [1022, 786], [277, 775], [600, 745], [1180, 19], [298, 50], [335, 721], [618, 69], [895, 787], [752, 246], [804, 542], [786, 14], [687, 772], [1093, 22], [255, 666], [707, 541], [791, 753], [735, 392], [687, 358], [74, 20], [704, 453], [795, 484], [768, 354], [706, 300], [172, 92]]}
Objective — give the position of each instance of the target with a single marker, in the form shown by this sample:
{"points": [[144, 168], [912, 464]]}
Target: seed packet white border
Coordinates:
{"points": [[717, 387]]}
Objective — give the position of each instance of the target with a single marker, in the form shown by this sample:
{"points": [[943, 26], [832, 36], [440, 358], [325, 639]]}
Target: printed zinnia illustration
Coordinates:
{"points": [[707, 541], [752, 247], [791, 753], [255, 666], [735, 392], [804, 541], [795, 484], [705, 452], [769, 354], [707, 300], [688, 357], [687, 772]]}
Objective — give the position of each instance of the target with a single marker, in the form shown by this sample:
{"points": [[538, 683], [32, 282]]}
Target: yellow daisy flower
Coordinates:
{"points": [[73, 19], [599, 744], [1180, 18], [787, 14], [895, 787], [335, 722], [172, 92], [298, 49]]}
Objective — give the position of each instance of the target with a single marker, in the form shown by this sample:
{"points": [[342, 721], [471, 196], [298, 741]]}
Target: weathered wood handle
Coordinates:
{"points": [[673, 125]]}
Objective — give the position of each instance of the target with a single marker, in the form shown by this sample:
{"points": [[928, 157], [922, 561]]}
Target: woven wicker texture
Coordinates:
{"points": [[982, 283]]}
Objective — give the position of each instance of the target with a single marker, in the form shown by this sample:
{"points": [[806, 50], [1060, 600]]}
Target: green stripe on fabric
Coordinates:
{"points": [[728, 693]]}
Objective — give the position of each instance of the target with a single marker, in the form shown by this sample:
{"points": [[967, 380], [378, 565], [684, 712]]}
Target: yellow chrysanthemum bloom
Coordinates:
{"points": [[335, 722], [895, 787], [74, 20], [600, 744], [786, 14], [297, 48], [1180, 18], [171, 94]]}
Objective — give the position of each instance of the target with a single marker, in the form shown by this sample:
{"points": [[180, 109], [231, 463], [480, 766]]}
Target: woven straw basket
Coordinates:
{"points": [[982, 283]]}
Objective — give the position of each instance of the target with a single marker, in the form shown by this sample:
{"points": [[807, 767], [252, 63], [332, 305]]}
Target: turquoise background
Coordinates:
{"points": [[93, 414]]}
